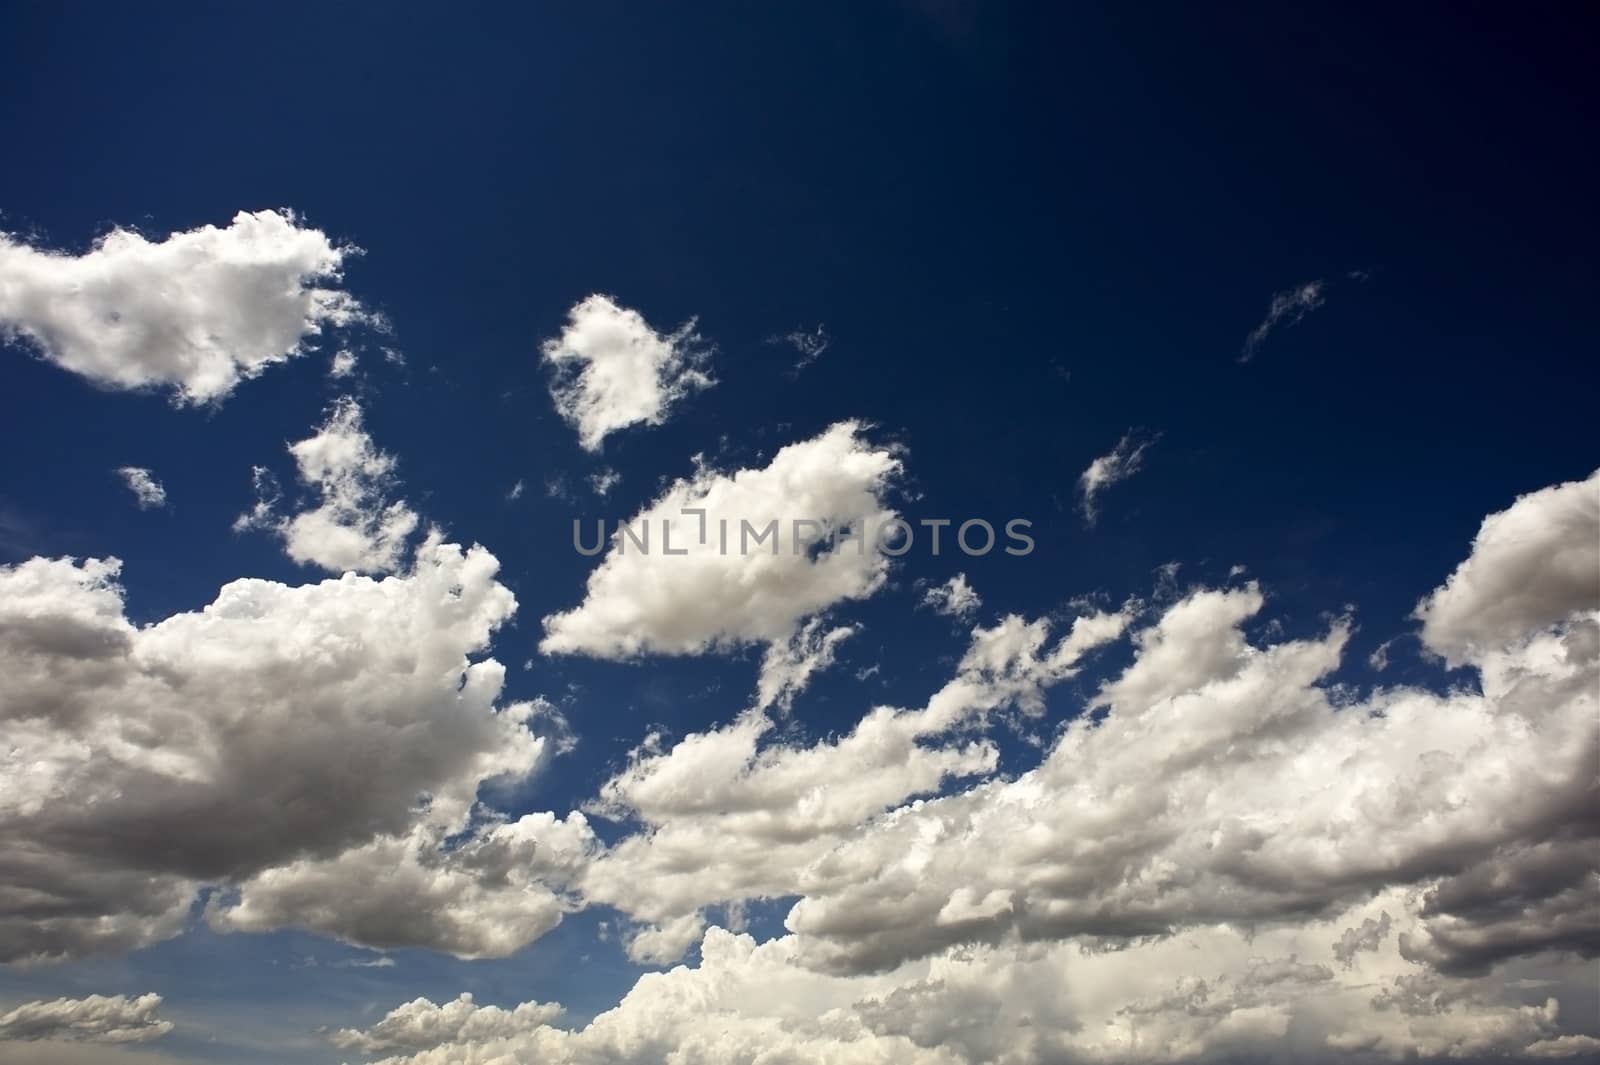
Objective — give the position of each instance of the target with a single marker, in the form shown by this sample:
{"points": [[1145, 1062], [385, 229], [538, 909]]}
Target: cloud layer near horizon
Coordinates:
{"points": [[1223, 857]]}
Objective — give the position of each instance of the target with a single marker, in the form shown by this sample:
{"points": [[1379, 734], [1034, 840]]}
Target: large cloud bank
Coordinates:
{"points": [[1225, 856]]}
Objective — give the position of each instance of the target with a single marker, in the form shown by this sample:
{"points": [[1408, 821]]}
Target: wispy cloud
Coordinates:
{"points": [[810, 343], [1287, 308], [144, 486], [1123, 461]]}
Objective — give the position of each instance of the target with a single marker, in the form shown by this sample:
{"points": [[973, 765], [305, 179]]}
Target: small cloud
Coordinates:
{"points": [[955, 598], [355, 526], [604, 481], [144, 486], [1379, 659], [1287, 308], [612, 370], [1124, 460], [810, 343], [517, 490], [343, 364], [381, 962]]}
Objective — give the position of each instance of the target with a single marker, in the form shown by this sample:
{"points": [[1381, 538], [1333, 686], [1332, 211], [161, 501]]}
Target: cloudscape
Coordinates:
{"points": [[862, 534]]}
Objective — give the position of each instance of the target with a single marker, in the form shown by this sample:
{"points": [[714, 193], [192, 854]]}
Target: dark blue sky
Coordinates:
{"points": [[1027, 228]]}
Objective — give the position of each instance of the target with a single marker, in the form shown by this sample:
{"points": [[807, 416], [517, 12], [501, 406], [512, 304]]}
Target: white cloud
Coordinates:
{"points": [[613, 370], [1226, 784], [1208, 996], [1531, 566], [1214, 788], [1123, 461], [954, 598], [147, 491], [1225, 858], [354, 527], [487, 895], [809, 343], [603, 482], [516, 491], [736, 813], [1286, 309], [277, 734], [1566, 1046], [196, 313], [421, 1024], [95, 1019], [752, 592], [788, 665], [342, 365]]}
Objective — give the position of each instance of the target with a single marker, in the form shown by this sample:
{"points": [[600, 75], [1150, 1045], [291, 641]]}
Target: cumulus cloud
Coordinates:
{"points": [[954, 598], [195, 313], [1209, 995], [95, 1019], [1217, 782], [279, 735], [487, 894], [354, 527], [1532, 565], [613, 370], [421, 1024], [1225, 857], [727, 588], [1122, 462], [1286, 309], [736, 813], [147, 491]]}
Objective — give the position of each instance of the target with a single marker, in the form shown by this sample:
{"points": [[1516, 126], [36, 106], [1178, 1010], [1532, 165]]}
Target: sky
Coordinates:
{"points": [[331, 733]]}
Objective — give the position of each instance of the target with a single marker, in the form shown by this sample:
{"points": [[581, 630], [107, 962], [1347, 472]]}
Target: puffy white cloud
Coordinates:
{"points": [[954, 598], [1565, 1046], [734, 813], [343, 364], [1218, 994], [95, 1019], [197, 312], [709, 582], [354, 526], [1222, 782], [1286, 309], [1225, 857], [147, 491], [421, 1024], [277, 728], [486, 895], [1532, 565], [613, 370], [1122, 462]]}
